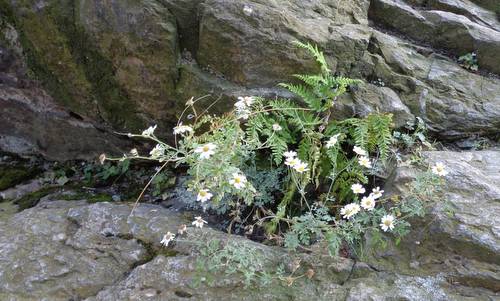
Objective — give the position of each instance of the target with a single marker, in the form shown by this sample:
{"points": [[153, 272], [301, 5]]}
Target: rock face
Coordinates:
{"points": [[61, 250], [129, 64], [460, 237], [32, 123]]}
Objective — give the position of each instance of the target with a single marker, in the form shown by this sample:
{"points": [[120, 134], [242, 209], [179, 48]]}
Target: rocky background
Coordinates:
{"points": [[72, 73]]}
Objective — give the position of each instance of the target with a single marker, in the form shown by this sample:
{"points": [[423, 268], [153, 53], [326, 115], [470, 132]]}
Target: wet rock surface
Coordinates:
{"points": [[64, 249], [129, 65]]}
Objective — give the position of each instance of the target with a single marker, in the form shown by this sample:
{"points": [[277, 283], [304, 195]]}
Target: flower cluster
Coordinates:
{"points": [[293, 162], [182, 129], [367, 203], [363, 159], [243, 106]]}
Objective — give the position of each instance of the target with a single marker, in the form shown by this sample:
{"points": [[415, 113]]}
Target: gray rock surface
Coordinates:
{"points": [[130, 65], [62, 250]]}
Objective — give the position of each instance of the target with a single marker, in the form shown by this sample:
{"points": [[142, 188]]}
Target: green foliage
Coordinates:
{"points": [[232, 258], [469, 61], [319, 91], [287, 168]]}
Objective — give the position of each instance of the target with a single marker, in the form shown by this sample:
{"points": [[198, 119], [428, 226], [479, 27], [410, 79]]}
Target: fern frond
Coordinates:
{"points": [[306, 94], [318, 55]]}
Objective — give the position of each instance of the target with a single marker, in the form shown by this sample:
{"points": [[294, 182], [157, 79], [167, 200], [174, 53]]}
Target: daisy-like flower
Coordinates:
{"points": [[134, 152], [290, 154], [157, 151], [376, 193], [358, 150], [204, 195], [439, 169], [332, 141], [149, 131], [181, 129], [358, 188], [167, 238], [300, 167], [238, 181], [349, 210], [292, 162], [198, 222], [277, 127], [206, 150], [368, 202], [247, 100], [387, 222], [182, 229], [365, 162]]}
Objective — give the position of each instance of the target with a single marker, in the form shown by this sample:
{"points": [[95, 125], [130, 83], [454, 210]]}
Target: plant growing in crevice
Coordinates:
{"points": [[320, 167], [469, 61]]}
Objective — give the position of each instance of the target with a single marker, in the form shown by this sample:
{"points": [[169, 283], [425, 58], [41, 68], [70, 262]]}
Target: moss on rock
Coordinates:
{"points": [[13, 175]]}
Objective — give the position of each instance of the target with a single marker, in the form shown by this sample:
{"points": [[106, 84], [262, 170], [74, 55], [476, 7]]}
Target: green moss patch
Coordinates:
{"points": [[12, 175], [30, 200]]}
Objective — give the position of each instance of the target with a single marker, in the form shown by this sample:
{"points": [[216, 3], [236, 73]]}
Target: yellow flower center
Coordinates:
{"points": [[237, 180], [387, 223], [206, 148], [203, 193]]}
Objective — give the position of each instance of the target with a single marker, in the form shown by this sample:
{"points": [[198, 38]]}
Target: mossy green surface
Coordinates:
{"points": [[65, 60], [31, 199], [13, 175]]}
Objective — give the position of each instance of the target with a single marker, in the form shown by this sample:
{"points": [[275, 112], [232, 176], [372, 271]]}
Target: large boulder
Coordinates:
{"points": [[111, 60], [459, 239], [128, 64], [442, 29], [32, 123], [466, 218], [62, 250]]}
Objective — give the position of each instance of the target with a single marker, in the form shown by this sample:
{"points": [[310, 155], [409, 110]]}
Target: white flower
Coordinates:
{"points": [[292, 162], [181, 129], [102, 158], [439, 169], [368, 202], [247, 100], [358, 188], [349, 210], [204, 195], [364, 161], [358, 150], [134, 152], [247, 10], [167, 238], [376, 193], [198, 222], [290, 154], [157, 151], [332, 141], [149, 131], [387, 222], [240, 105], [182, 229], [300, 167], [238, 181], [277, 127], [206, 150], [190, 102]]}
